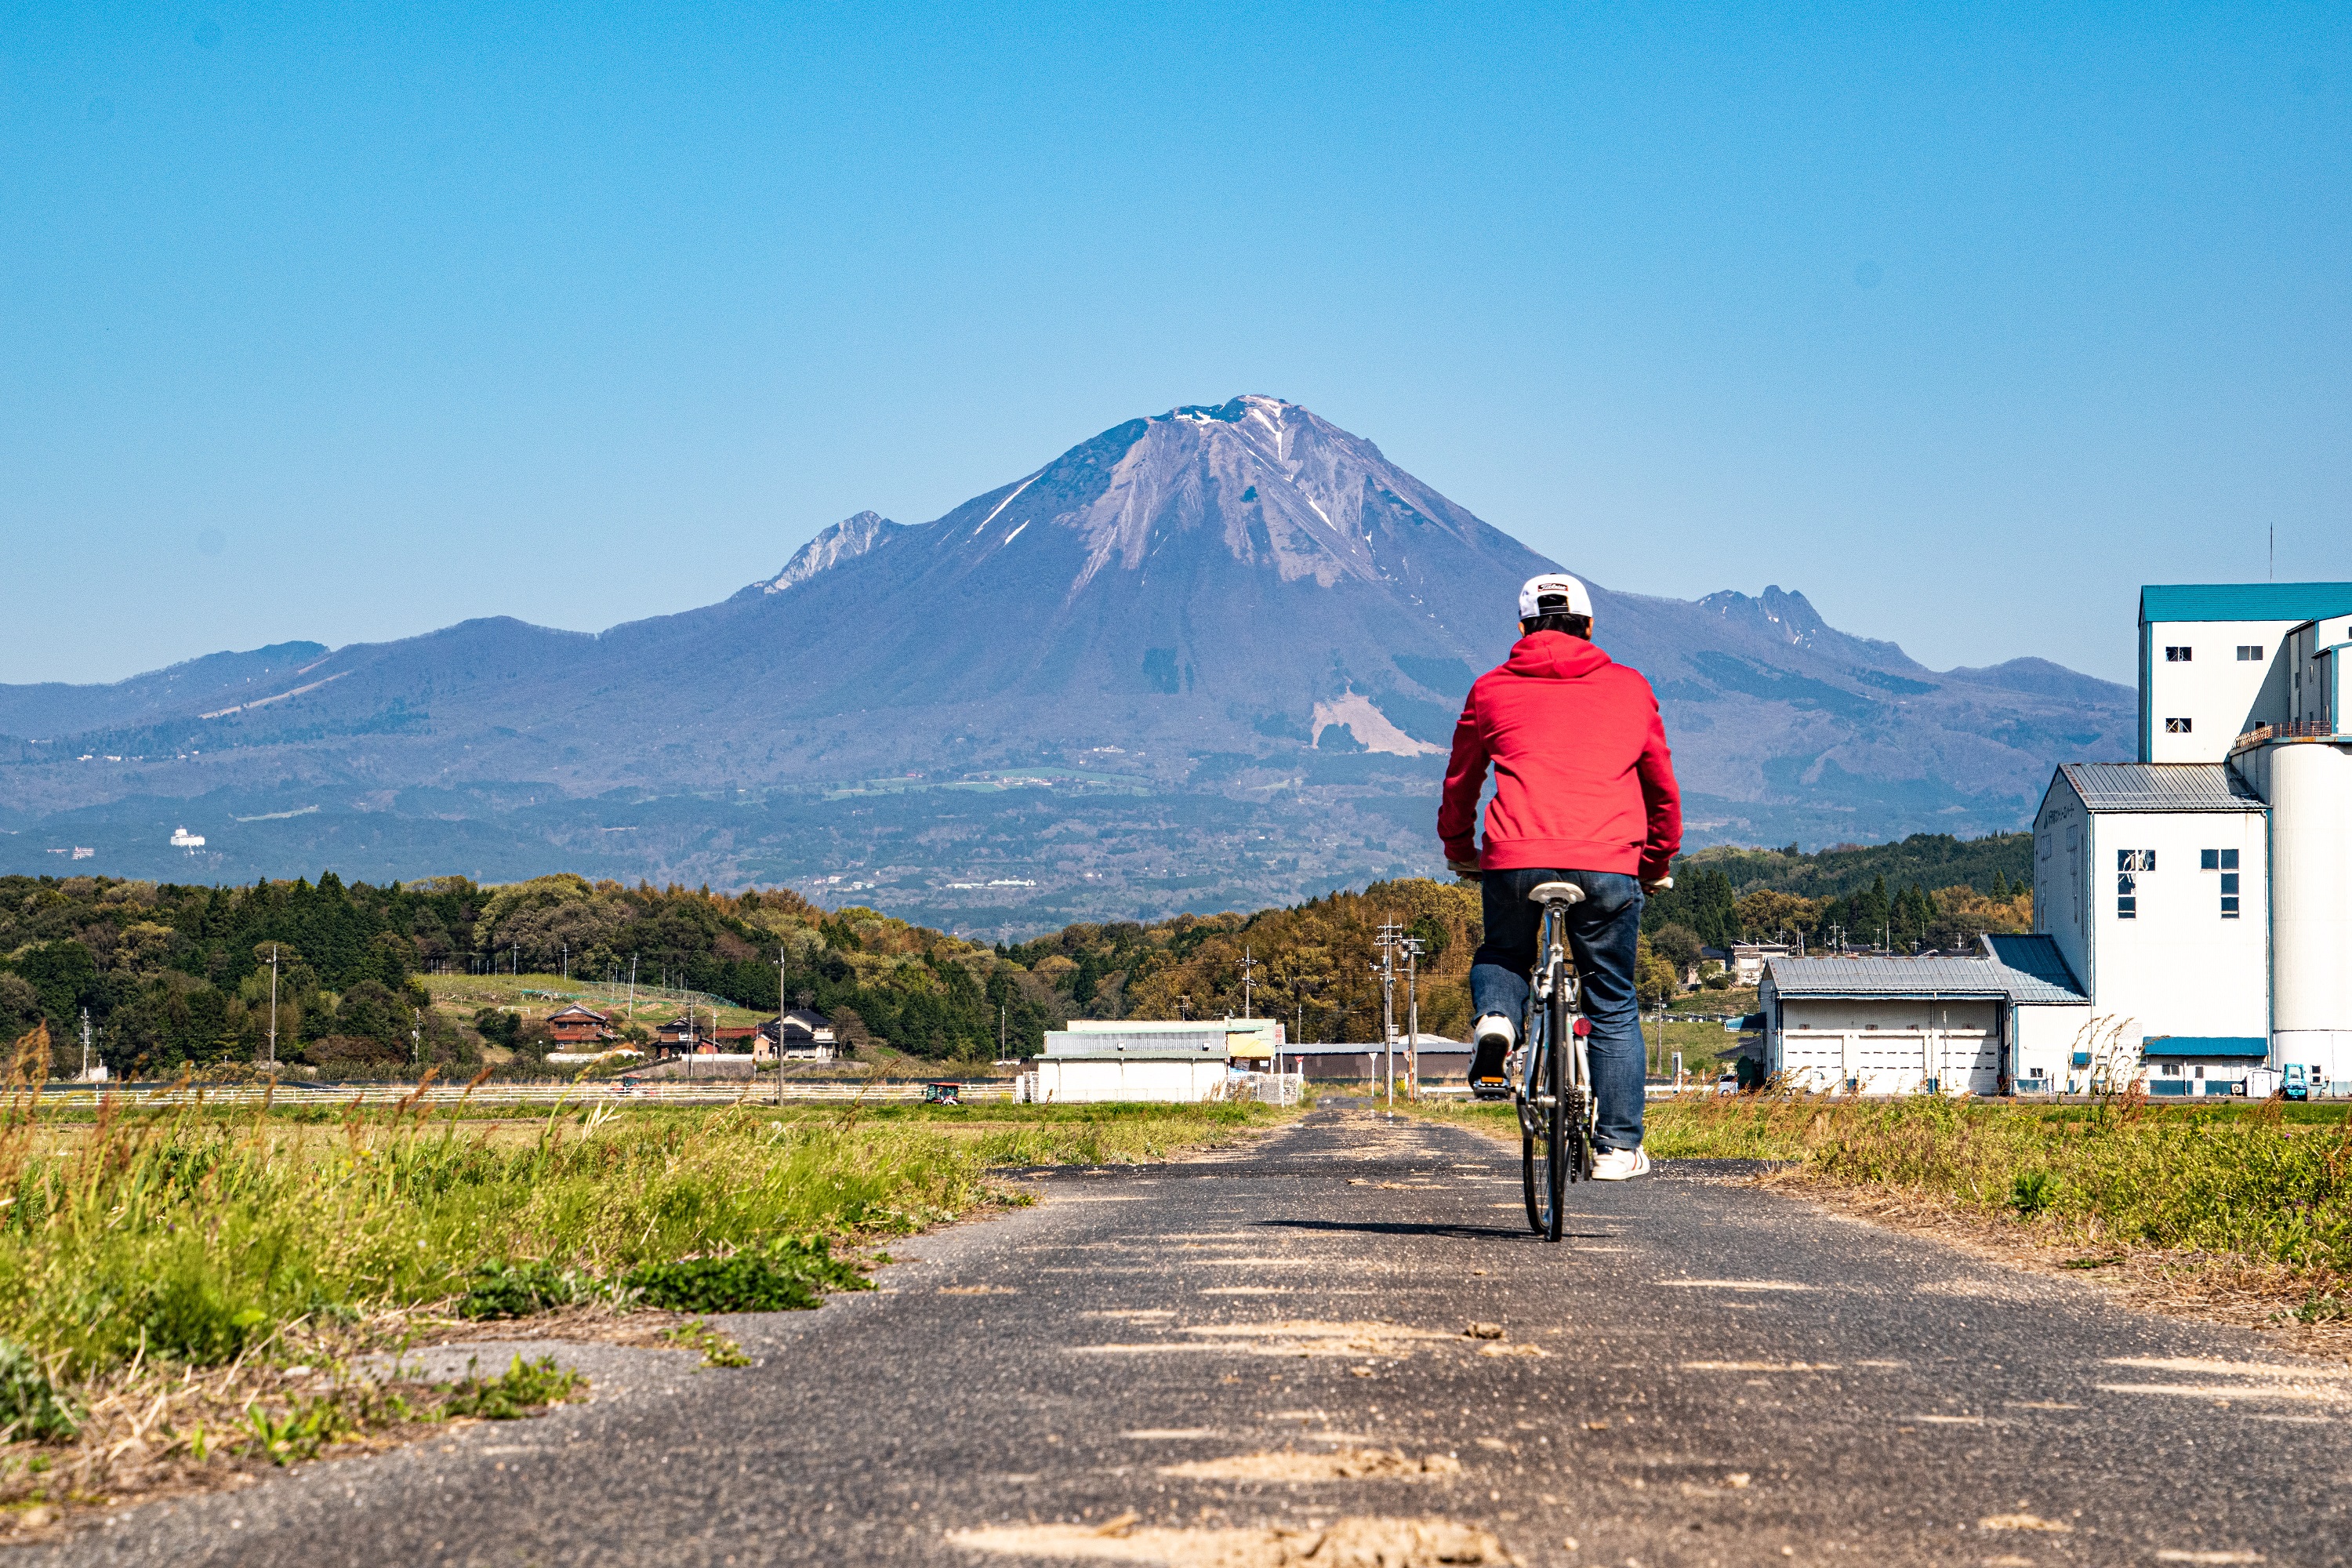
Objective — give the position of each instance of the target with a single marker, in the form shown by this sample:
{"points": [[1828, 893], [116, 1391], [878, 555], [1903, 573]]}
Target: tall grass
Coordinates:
{"points": [[185, 1233], [2247, 1180], [2266, 1181]]}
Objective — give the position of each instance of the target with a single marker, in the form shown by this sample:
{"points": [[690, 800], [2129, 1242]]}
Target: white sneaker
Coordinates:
{"points": [[1621, 1164]]}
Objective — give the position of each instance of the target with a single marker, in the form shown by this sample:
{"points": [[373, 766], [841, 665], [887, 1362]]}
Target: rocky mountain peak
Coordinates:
{"points": [[846, 540]]}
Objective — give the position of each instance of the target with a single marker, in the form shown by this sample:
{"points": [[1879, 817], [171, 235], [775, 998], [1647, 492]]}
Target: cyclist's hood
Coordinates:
{"points": [[1554, 656]]}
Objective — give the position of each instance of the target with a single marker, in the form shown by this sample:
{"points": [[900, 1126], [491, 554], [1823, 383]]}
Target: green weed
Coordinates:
{"points": [[519, 1289], [30, 1404], [523, 1389]]}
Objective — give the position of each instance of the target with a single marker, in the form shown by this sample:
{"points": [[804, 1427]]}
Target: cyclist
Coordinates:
{"points": [[1584, 793]]}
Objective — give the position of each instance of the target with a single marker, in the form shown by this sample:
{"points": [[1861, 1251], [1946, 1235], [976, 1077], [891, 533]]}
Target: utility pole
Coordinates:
{"points": [[417, 1036], [85, 1045], [1412, 1016], [633, 992], [1247, 965], [782, 955], [1392, 936], [273, 1006]]}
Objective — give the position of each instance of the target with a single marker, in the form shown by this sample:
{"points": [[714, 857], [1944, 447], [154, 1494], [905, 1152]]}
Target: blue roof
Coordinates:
{"points": [[2244, 601], [2205, 1046], [2037, 957]]}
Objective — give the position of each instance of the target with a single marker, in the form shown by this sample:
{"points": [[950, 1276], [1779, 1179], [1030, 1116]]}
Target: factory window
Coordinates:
{"points": [[2135, 860], [2176, 655], [2127, 896], [2172, 1069], [2250, 652], [2176, 727], [2228, 895]]}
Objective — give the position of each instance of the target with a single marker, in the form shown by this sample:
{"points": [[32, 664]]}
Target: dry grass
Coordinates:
{"points": [[2239, 1213]]}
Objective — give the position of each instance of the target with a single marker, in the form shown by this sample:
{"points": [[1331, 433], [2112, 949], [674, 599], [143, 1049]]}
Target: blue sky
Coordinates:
{"points": [[348, 322]]}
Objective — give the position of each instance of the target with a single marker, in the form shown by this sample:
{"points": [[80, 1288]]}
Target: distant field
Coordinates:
{"points": [[537, 995]]}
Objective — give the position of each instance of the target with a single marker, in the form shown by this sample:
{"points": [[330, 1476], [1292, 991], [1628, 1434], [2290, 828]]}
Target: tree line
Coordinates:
{"points": [[179, 976]]}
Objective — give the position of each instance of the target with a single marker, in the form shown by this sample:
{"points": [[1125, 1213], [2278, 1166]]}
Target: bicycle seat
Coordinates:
{"points": [[1555, 893]]}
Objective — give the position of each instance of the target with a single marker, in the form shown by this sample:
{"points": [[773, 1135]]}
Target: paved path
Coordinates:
{"points": [[1725, 1376]]}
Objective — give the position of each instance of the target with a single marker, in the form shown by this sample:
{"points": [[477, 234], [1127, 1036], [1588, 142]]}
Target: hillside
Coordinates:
{"points": [[1205, 659]]}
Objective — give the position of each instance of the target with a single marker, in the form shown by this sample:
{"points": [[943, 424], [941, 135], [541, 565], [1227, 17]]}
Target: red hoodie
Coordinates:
{"points": [[1582, 778]]}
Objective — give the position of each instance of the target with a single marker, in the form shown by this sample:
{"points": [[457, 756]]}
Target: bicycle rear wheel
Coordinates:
{"points": [[1560, 1152]]}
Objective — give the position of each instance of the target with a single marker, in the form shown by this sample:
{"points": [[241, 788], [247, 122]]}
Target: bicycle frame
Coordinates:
{"points": [[1554, 1090]]}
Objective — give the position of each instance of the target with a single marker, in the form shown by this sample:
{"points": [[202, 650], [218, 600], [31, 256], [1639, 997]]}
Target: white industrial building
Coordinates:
{"points": [[2204, 893], [2192, 909]]}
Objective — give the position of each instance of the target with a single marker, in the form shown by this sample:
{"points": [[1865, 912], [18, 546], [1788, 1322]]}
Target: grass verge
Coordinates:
{"points": [[172, 1279], [2238, 1213]]}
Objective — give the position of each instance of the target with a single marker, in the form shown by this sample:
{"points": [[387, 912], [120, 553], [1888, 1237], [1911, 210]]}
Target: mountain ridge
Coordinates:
{"points": [[1239, 605]]}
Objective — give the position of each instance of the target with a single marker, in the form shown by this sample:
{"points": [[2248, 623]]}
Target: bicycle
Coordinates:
{"points": [[1552, 1086]]}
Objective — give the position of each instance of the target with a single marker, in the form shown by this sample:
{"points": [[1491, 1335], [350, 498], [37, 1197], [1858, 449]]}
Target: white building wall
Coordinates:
{"points": [[1885, 1046], [2060, 882], [2177, 966], [2317, 654], [2220, 695], [1063, 1080], [2043, 1042], [2309, 786]]}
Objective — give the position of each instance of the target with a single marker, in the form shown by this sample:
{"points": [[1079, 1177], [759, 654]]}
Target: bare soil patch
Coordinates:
{"points": [[1353, 1542], [1342, 1465]]}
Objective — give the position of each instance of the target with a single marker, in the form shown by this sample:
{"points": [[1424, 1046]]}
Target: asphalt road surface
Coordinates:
{"points": [[1194, 1357]]}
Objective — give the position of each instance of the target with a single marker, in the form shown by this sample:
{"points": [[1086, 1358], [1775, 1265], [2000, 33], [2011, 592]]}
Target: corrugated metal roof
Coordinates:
{"points": [[1908, 977], [2160, 786], [2244, 601], [2037, 958], [1155, 1044]]}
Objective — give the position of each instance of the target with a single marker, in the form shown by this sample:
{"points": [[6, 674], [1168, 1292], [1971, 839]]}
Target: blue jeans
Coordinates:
{"points": [[1601, 933]]}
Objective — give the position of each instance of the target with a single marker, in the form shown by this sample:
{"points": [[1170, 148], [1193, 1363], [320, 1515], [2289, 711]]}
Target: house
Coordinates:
{"points": [[576, 1025], [1748, 960], [2004, 1019], [807, 1037]]}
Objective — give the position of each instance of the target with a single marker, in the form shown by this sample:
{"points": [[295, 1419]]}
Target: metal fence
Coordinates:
{"points": [[686, 1092]]}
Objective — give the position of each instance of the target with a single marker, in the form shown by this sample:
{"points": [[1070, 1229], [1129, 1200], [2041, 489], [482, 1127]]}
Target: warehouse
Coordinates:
{"points": [[2005, 1019], [1096, 1060]]}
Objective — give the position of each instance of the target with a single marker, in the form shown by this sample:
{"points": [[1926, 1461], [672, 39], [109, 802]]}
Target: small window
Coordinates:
{"points": [[2176, 655], [2172, 1069], [2208, 860], [2127, 895], [2228, 862], [2135, 860], [2230, 908], [2250, 652], [2177, 727]]}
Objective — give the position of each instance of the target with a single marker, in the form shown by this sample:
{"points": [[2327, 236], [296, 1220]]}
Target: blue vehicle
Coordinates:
{"points": [[2296, 1086]]}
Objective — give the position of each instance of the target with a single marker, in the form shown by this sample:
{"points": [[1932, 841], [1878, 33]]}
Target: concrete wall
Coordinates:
{"points": [[2061, 885], [2043, 1041], [1063, 1080], [2177, 966], [2222, 694], [2309, 786]]}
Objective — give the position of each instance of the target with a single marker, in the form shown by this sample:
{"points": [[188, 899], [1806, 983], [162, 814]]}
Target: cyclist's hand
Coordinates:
{"points": [[1465, 869]]}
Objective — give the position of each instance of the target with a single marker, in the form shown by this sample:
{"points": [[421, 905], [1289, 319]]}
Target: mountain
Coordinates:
{"points": [[1205, 658]]}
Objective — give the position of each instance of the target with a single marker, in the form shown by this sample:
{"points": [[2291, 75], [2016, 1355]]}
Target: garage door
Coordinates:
{"points": [[1972, 1061], [1813, 1059], [1889, 1063]]}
